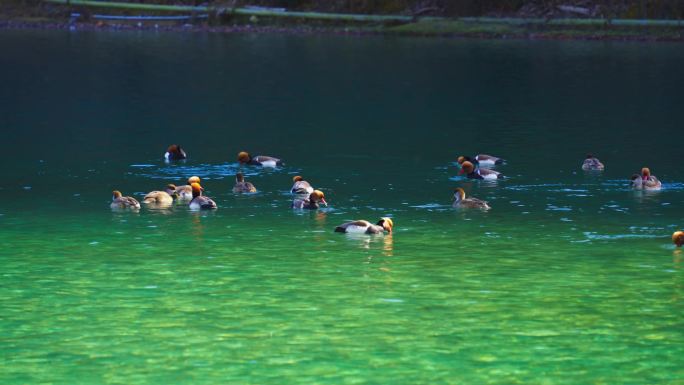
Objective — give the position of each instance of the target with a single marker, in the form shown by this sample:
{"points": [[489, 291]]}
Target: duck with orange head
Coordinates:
{"points": [[481, 173], [385, 224], [199, 201], [678, 238], [259, 160], [311, 202], [645, 181]]}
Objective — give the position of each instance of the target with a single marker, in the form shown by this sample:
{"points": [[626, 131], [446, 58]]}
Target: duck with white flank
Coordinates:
{"points": [[678, 238], [183, 193], [199, 201], [241, 186], [310, 203], [645, 181], [365, 227], [174, 152], [259, 160], [592, 164], [160, 197], [121, 202], [481, 173], [481, 160], [460, 201], [300, 186]]}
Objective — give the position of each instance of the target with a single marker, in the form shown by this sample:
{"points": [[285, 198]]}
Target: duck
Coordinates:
{"points": [[175, 152], [481, 159], [310, 203], [184, 193], [259, 160], [592, 164], [460, 201], [300, 186], [650, 182], [122, 202], [199, 201], [365, 227], [241, 186], [159, 197], [678, 238], [481, 173]]}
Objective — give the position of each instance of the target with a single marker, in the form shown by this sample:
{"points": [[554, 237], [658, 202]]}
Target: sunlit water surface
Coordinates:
{"points": [[570, 278]]}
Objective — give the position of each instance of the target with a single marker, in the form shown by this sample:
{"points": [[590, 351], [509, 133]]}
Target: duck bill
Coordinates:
{"points": [[324, 202], [460, 171]]}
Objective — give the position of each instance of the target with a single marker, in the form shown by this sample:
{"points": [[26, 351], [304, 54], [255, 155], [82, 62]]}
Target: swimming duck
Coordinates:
{"points": [[199, 201], [365, 227], [184, 193], [300, 186], [650, 182], [259, 160], [481, 159], [121, 202], [159, 197], [481, 173], [310, 203], [460, 201], [175, 152], [592, 164], [241, 186], [678, 238]]}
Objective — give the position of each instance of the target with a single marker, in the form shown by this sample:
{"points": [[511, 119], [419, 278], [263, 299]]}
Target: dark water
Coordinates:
{"points": [[570, 278]]}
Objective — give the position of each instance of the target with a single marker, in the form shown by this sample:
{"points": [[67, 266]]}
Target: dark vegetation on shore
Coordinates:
{"points": [[37, 12]]}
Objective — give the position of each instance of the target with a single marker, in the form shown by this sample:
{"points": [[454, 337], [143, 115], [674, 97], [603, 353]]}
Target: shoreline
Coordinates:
{"points": [[455, 30]]}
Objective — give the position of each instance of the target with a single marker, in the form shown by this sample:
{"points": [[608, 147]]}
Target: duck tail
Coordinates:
{"points": [[340, 229]]}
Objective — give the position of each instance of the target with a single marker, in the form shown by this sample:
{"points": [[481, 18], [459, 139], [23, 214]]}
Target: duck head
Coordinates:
{"points": [[461, 159], [196, 190], [239, 177], [466, 168], [678, 238], [171, 190], [116, 194], [243, 157], [318, 196], [193, 179], [590, 156], [297, 178], [645, 173], [386, 224], [459, 194]]}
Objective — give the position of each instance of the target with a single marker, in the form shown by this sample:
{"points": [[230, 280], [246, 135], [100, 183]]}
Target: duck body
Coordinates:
{"points": [[592, 164], [241, 186], [471, 172], [460, 201], [199, 201], [365, 227], [158, 197], [121, 202], [300, 186], [175, 152], [259, 160], [481, 160], [311, 202], [646, 181]]}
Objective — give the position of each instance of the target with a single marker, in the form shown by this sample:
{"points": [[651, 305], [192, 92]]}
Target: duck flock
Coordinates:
{"points": [[308, 198]]}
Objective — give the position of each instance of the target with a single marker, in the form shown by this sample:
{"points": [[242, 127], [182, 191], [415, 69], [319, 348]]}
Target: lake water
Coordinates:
{"points": [[571, 278]]}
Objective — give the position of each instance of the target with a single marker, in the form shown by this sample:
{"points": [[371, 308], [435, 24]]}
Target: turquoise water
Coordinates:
{"points": [[571, 278]]}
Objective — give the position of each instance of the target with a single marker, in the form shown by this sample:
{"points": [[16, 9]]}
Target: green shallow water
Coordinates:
{"points": [[570, 279]]}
